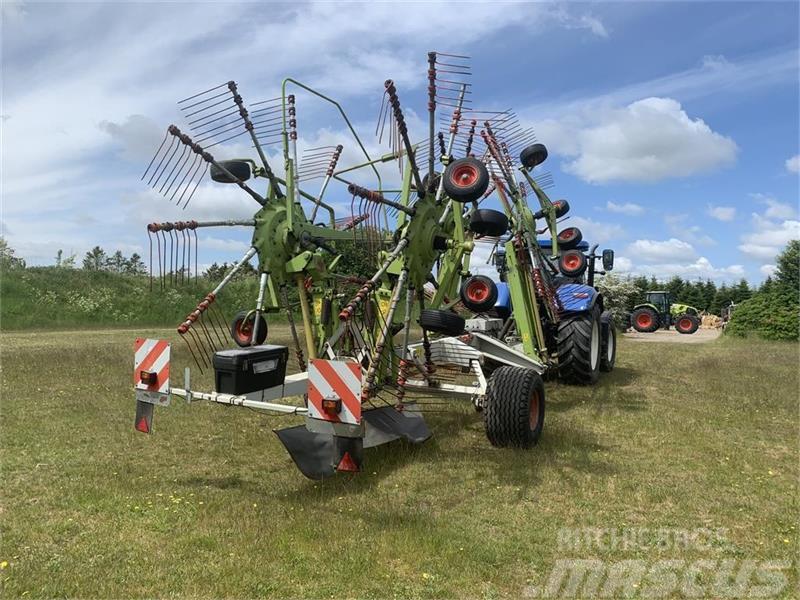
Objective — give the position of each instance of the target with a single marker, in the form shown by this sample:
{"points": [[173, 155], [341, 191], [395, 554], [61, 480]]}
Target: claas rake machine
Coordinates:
{"points": [[375, 351]]}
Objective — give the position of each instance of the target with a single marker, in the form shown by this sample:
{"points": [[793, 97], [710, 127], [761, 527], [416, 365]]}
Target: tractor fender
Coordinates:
{"points": [[502, 307], [578, 297]]}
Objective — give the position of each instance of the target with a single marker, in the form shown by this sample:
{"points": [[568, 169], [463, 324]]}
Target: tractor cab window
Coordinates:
{"points": [[660, 300]]}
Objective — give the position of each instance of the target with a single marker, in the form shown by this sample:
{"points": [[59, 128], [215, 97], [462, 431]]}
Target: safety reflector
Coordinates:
{"points": [[144, 417], [347, 464]]}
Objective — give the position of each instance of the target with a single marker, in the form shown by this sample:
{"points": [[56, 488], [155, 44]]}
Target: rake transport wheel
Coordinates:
{"points": [[478, 293], [608, 346], [466, 179], [533, 155], [237, 168], [579, 344], [441, 321], [569, 238], [572, 263], [687, 323], [514, 412], [242, 328], [562, 208], [486, 221], [644, 320]]}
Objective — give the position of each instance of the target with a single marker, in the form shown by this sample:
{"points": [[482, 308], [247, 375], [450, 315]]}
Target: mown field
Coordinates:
{"points": [[679, 436]]}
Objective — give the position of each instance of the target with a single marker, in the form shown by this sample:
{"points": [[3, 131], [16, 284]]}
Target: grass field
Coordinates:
{"points": [[678, 436]]}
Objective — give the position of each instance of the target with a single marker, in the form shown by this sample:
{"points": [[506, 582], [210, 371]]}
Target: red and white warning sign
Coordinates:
{"points": [[151, 366], [334, 391]]}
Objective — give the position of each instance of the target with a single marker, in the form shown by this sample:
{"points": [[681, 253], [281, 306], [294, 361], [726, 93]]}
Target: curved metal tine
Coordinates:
{"points": [[197, 165], [183, 169], [275, 99], [171, 254], [161, 162], [218, 320], [208, 339], [224, 131], [216, 87], [204, 100], [196, 185], [228, 139], [269, 110], [260, 121], [227, 123], [166, 166], [194, 231], [191, 351], [186, 172], [150, 268], [162, 267], [197, 112], [212, 117], [152, 160], [180, 161]]}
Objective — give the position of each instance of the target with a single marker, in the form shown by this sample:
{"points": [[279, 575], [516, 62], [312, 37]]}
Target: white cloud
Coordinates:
{"points": [[775, 209], [595, 232], [701, 268], [768, 237], [768, 270], [793, 164], [681, 227], [721, 213], [653, 251], [648, 140], [628, 208]]}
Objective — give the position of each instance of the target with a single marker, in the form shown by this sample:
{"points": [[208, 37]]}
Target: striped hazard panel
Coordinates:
{"points": [[334, 391], [151, 365]]}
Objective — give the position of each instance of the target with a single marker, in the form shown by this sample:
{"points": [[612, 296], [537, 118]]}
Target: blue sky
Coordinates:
{"points": [[672, 127]]}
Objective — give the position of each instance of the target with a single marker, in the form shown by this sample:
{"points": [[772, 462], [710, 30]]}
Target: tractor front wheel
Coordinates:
{"points": [[687, 323], [514, 410], [608, 349], [644, 320], [579, 344]]}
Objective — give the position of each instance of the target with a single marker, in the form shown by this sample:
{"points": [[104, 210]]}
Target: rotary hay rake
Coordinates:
{"points": [[363, 379]]}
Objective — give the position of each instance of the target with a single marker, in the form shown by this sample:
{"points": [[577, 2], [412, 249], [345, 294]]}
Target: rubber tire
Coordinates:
{"points": [[487, 221], [238, 168], [262, 329], [466, 193], [649, 329], [562, 208], [574, 345], [608, 331], [576, 272], [485, 305], [506, 417], [571, 242], [694, 326], [441, 321], [533, 155]]}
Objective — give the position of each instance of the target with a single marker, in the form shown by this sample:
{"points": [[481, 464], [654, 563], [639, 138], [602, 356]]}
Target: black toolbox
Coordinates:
{"points": [[244, 370]]}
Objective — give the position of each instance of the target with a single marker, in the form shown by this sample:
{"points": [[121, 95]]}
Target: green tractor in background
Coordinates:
{"points": [[660, 311]]}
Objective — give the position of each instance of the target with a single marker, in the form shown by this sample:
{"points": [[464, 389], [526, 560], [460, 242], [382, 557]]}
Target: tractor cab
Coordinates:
{"points": [[662, 301]]}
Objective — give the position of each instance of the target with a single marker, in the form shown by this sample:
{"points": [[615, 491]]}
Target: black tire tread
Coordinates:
{"points": [[637, 312], [506, 416], [574, 343]]}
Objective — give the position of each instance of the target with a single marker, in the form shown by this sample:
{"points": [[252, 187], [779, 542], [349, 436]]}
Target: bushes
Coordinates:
{"points": [[772, 315]]}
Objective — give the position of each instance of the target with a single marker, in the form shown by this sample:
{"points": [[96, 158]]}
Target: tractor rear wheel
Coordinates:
{"points": [[579, 343], [441, 321], [514, 410], [644, 320], [687, 323], [608, 348]]}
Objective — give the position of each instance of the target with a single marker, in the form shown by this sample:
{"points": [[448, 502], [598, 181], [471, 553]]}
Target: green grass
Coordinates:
{"points": [[678, 436]]}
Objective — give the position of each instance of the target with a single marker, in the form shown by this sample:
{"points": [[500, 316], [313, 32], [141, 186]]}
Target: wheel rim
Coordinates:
{"points": [[595, 355], [644, 320], [572, 262], [244, 331], [612, 340], [533, 413], [477, 291], [464, 175], [566, 235], [685, 324]]}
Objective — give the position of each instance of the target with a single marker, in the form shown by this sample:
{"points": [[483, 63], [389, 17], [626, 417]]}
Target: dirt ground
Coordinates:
{"points": [[670, 335]]}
